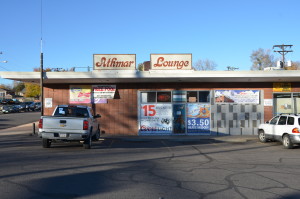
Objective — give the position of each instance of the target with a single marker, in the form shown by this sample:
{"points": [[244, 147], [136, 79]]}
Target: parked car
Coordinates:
{"points": [[284, 128], [38, 106], [25, 106], [32, 106], [14, 109], [7, 109]]}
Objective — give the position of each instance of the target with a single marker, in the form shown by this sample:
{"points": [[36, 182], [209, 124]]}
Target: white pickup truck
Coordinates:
{"points": [[70, 123]]}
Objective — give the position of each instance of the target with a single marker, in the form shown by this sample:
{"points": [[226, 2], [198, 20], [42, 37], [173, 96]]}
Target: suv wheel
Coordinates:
{"points": [[286, 141], [262, 136]]}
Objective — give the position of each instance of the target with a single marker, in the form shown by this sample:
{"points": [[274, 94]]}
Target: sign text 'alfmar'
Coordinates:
{"points": [[171, 61], [114, 61]]}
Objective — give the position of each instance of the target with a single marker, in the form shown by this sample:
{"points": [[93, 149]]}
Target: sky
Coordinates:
{"points": [[224, 31]]}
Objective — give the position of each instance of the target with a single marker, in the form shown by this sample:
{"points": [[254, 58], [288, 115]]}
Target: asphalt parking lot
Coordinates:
{"points": [[140, 167]]}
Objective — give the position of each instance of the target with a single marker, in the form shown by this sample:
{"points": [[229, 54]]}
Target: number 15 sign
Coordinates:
{"points": [[156, 119]]}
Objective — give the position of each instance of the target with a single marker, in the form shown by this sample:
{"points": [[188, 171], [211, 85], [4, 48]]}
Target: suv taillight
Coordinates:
{"points": [[41, 123], [295, 130], [85, 125]]}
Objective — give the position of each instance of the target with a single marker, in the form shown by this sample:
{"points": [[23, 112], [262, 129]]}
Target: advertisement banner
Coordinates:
{"points": [[237, 96], [80, 94], [100, 101], [104, 91], [156, 119], [198, 118], [171, 61], [114, 62]]}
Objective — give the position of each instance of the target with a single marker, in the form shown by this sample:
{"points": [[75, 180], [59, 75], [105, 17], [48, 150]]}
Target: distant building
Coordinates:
{"points": [[2, 93]]}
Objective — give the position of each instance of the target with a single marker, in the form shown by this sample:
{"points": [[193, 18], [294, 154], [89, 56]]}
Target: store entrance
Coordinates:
{"points": [[179, 115]]}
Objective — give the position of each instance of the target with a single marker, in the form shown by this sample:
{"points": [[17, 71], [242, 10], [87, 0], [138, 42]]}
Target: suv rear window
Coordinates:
{"points": [[282, 120]]}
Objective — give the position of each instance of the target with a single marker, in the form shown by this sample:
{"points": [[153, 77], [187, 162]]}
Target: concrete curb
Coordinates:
{"points": [[232, 139]]}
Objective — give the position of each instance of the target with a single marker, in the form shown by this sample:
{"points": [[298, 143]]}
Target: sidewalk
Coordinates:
{"points": [[28, 129], [22, 129], [185, 138]]}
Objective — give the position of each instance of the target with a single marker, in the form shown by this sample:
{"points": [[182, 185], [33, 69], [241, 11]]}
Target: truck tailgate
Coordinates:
{"points": [[62, 124]]}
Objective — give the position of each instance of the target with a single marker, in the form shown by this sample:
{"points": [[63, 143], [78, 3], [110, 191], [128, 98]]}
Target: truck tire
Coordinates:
{"points": [[46, 143], [87, 144], [286, 142], [97, 135]]}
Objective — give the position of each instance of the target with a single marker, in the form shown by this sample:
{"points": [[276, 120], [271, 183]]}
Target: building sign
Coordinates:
{"points": [[80, 94], [156, 119], [268, 102], [171, 61], [237, 96], [104, 91], [282, 87], [114, 62], [198, 118]]}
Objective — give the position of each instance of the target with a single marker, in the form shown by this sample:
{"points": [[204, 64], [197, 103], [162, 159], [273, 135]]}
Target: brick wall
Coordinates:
{"points": [[120, 115]]}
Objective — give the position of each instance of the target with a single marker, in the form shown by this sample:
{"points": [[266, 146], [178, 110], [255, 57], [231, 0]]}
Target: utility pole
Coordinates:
{"points": [[283, 51], [42, 64]]}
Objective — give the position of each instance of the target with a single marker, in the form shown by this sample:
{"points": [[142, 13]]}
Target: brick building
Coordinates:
{"points": [[171, 101]]}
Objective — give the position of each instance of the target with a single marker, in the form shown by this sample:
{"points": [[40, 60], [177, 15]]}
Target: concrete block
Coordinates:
{"points": [[247, 131], [235, 131]]}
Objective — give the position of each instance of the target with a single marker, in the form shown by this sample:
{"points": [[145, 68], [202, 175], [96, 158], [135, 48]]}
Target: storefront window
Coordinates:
{"points": [[192, 96], [283, 103], [148, 97], [179, 96], [174, 112], [164, 96], [296, 98], [204, 96]]}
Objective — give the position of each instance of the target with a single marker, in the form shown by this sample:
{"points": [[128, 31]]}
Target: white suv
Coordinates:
{"points": [[284, 128]]}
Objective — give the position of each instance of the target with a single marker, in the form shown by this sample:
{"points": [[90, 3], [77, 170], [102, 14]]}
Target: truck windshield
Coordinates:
{"points": [[71, 112]]}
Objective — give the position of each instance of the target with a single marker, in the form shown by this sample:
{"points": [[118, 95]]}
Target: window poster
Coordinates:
{"points": [[104, 91], [156, 119], [80, 94], [198, 118], [237, 96], [48, 103]]}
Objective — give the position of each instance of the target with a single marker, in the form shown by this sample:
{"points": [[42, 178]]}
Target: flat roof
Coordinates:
{"points": [[122, 76]]}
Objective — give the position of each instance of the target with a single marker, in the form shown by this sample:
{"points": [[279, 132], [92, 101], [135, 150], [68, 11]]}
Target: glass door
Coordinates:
{"points": [[179, 115]]}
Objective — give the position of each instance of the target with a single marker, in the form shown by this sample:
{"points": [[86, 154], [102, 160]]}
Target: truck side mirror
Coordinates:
{"points": [[97, 116]]}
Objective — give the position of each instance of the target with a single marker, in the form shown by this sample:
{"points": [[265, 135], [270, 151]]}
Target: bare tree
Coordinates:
{"points": [[205, 65], [140, 67], [261, 59]]}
